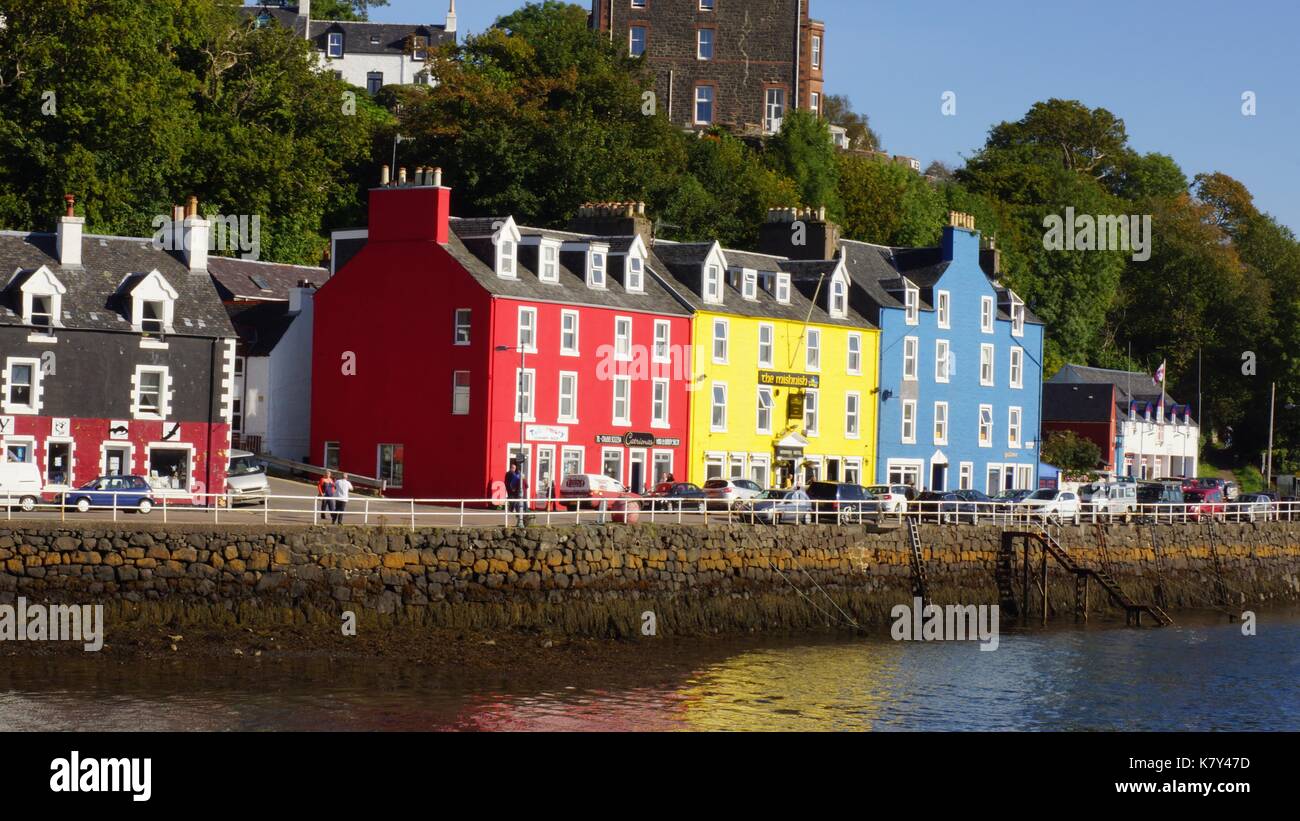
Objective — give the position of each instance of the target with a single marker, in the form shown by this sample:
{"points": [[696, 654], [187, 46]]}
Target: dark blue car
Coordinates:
{"points": [[124, 492]]}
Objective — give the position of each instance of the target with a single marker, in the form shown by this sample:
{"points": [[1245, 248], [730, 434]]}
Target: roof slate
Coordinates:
{"points": [[234, 278]]}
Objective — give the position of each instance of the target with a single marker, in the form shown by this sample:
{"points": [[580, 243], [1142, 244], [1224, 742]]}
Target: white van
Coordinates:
{"points": [[246, 479], [590, 486], [20, 484], [1109, 499]]}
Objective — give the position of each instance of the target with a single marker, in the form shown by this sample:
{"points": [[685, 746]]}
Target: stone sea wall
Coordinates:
{"points": [[598, 580]]}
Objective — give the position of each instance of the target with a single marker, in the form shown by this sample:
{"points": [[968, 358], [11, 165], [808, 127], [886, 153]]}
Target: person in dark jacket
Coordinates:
{"points": [[325, 492]]}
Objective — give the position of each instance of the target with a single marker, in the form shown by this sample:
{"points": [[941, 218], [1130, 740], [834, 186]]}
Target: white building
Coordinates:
{"points": [[368, 55], [271, 307]]}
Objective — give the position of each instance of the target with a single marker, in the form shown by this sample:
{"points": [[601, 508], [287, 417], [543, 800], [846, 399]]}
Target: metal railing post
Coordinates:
{"points": [[412, 515], [114, 495]]}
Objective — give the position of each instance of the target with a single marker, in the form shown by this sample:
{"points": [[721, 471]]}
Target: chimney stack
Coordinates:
{"points": [[614, 219], [418, 212], [819, 238], [385, 176], [195, 233], [68, 234], [300, 296], [450, 26]]}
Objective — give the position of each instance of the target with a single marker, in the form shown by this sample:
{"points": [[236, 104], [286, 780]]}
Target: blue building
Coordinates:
{"points": [[961, 357]]}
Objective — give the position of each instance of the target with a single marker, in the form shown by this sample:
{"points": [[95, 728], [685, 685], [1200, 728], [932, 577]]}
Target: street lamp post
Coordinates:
{"points": [[523, 438]]}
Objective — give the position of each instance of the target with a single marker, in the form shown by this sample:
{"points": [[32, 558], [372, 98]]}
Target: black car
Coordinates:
{"points": [[676, 495], [979, 503], [840, 502], [943, 506]]}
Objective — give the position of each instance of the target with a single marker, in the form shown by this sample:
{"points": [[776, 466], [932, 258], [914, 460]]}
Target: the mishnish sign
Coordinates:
{"points": [[781, 379]]}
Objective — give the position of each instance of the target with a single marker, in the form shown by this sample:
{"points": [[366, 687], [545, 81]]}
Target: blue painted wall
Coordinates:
{"points": [[966, 283]]}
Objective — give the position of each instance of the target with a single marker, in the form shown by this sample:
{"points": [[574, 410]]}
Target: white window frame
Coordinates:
{"points": [[966, 476], [526, 328], [569, 378], [466, 326], [597, 267], [529, 381], [334, 45], [1015, 421], [623, 338], [548, 256], [623, 386], [907, 430], [660, 406], [813, 349], [816, 51], [942, 350], [725, 339], [714, 425], [911, 358], [839, 298], [457, 393], [853, 355], [631, 40], [940, 427], [32, 408], [987, 314], [769, 330], [712, 101], [575, 348], [699, 43], [759, 427], [985, 439], [1017, 316], [911, 304], [812, 407], [943, 308], [713, 284], [783, 288], [749, 284], [988, 362], [852, 415], [663, 341], [1017, 367], [507, 256], [634, 276], [164, 392]]}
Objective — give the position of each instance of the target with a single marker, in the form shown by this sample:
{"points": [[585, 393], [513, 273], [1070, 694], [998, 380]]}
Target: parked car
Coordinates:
{"points": [[676, 496], [590, 489], [122, 492], [1049, 504], [1161, 500], [840, 502], [980, 504], [1008, 499], [20, 485], [942, 506], [725, 493], [246, 480], [1205, 503], [1109, 500], [775, 506], [1253, 507], [893, 498]]}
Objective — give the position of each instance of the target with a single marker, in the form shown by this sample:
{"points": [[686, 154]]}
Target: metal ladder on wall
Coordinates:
{"points": [[920, 584], [1158, 589], [1133, 610], [1212, 536]]}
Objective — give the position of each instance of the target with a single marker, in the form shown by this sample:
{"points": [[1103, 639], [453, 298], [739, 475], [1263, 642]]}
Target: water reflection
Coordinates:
{"points": [[1203, 675]]}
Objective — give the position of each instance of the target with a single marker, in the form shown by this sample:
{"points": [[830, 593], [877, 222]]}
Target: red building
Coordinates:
{"points": [[417, 354]]}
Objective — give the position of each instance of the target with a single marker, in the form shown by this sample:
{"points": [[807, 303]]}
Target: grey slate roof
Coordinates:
{"points": [[96, 300], [680, 264], [234, 278], [469, 244], [358, 37], [1130, 386], [261, 325]]}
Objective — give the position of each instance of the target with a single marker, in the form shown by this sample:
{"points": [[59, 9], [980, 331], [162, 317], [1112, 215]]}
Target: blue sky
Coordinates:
{"points": [[1173, 70]]}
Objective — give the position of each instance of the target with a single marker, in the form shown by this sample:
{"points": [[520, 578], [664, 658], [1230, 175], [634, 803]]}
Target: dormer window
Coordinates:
{"points": [[713, 283], [749, 284], [334, 44], [419, 48], [596, 259], [783, 288], [153, 302], [1017, 316], [42, 312], [42, 299], [839, 300], [549, 267], [506, 239], [635, 274]]}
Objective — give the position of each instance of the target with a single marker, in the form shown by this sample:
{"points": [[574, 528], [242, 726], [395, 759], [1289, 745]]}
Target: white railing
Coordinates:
{"points": [[72, 506]]}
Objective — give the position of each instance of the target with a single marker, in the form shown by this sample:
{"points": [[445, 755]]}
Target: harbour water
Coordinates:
{"points": [[1202, 674]]}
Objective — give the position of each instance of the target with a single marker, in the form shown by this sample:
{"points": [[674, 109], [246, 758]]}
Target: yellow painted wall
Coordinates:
{"points": [[740, 374]]}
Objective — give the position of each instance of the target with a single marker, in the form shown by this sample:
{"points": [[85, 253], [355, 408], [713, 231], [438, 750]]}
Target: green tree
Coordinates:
{"points": [[358, 10], [803, 151], [1072, 453], [838, 110]]}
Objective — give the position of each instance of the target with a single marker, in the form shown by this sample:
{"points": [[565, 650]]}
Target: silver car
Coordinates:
{"points": [[246, 480], [775, 506], [723, 494]]}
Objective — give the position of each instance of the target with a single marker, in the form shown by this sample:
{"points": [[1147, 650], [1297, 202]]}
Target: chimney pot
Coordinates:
{"points": [[401, 175], [385, 175], [437, 177], [192, 206], [68, 235]]}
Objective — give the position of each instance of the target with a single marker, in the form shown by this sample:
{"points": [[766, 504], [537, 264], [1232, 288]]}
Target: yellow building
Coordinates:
{"points": [[784, 371]]}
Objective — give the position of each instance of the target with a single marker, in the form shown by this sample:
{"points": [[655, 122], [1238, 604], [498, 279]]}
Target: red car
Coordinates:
{"points": [[1205, 502]]}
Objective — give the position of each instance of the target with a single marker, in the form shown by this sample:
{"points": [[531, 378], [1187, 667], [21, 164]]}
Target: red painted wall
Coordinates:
{"points": [[1103, 433], [89, 435]]}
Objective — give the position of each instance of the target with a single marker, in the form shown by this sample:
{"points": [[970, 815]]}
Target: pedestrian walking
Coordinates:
{"points": [[325, 493], [342, 487], [515, 489]]}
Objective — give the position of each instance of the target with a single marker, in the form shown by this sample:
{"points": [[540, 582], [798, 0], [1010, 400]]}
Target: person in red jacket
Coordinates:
{"points": [[325, 492]]}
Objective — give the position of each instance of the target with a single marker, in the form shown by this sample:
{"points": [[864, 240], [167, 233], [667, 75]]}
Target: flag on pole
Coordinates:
{"points": [[1159, 378]]}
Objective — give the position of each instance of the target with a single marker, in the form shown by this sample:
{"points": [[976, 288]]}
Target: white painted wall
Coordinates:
{"points": [[289, 401], [397, 68], [1166, 449]]}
